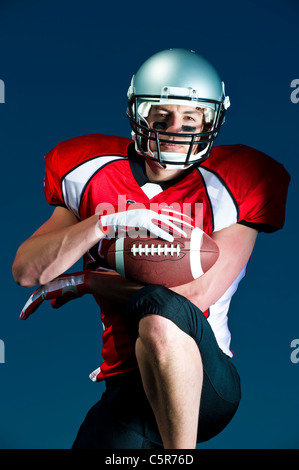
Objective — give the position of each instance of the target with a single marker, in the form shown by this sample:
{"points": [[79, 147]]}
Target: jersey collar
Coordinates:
{"points": [[137, 166]]}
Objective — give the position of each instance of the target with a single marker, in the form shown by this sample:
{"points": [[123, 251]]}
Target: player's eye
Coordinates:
{"points": [[189, 118], [162, 116]]}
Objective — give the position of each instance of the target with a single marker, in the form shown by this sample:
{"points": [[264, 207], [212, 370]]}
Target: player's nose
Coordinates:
{"points": [[174, 123]]}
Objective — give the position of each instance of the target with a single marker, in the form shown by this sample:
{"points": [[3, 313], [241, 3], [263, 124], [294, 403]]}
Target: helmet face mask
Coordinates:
{"points": [[144, 134], [154, 85]]}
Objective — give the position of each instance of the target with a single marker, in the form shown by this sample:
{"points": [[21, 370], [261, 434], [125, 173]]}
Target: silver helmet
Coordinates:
{"points": [[180, 77]]}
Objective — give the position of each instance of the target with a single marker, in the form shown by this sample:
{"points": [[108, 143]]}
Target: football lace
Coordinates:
{"points": [[155, 250]]}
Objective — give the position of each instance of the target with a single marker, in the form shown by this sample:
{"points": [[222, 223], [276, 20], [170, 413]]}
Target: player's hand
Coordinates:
{"points": [[60, 291], [146, 219]]}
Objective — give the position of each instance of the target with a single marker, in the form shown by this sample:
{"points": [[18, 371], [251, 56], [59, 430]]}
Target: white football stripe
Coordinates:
{"points": [[119, 256], [195, 257]]}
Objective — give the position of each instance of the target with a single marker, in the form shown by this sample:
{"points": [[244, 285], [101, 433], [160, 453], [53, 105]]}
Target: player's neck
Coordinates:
{"points": [[156, 173]]}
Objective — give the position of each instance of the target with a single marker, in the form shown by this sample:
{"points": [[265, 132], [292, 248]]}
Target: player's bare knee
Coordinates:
{"points": [[158, 334]]}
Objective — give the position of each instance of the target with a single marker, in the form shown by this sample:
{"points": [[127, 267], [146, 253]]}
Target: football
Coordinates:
{"points": [[156, 261]]}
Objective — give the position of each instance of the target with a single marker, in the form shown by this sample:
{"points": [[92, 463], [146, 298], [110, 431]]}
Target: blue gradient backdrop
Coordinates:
{"points": [[66, 66]]}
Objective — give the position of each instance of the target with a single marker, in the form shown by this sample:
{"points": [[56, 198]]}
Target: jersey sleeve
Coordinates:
{"points": [[70, 154], [257, 183], [52, 180], [263, 202]]}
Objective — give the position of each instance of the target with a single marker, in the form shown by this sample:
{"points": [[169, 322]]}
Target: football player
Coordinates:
{"points": [[167, 364]]}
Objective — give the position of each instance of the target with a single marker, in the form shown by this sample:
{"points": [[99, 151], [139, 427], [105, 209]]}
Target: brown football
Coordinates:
{"points": [[156, 261]]}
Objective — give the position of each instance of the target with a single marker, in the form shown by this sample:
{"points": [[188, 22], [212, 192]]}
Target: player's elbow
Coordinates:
{"points": [[22, 274], [22, 278]]}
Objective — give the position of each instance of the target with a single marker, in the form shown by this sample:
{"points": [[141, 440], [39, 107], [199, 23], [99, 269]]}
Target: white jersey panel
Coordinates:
{"points": [[74, 182], [151, 189], [218, 316], [225, 214], [223, 205]]}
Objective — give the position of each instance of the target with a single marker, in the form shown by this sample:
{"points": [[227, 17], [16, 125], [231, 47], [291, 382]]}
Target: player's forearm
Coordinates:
{"points": [[203, 292], [45, 256], [111, 286], [235, 247]]}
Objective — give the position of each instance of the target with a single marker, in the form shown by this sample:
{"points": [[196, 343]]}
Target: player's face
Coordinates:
{"points": [[175, 119]]}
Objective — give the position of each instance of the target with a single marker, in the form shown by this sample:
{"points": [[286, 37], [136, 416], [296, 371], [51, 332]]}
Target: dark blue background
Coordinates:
{"points": [[66, 67]]}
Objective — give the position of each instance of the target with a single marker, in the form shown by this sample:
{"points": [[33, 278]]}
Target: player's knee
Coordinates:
{"points": [[158, 335]]}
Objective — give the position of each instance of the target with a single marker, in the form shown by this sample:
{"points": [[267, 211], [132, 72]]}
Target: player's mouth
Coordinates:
{"points": [[171, 147]]}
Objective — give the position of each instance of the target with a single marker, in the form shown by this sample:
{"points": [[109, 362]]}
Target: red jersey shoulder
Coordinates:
{"points": [[245, 162], [257, 182], [70, 153]]}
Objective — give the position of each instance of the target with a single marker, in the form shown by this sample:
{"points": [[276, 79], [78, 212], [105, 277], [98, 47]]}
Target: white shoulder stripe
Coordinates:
{"points": [[75, 181], [223, 206]]}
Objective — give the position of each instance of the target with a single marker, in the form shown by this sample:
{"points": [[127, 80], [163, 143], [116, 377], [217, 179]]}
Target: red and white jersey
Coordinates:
{"points": [[236, 184]]}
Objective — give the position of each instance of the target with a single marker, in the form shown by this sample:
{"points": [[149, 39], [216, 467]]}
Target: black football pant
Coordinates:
{"points": [[123, 418]]}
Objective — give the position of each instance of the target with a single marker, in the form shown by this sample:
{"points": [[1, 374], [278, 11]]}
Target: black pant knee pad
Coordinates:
{"points": [[158, 300]]}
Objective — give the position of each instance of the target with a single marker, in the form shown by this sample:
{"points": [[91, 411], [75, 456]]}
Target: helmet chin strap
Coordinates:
{"points": [[171, 155], [174, 156]]}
